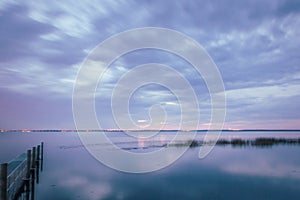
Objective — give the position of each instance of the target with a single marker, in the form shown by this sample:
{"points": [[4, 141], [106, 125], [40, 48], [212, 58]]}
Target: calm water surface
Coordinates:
{"points": [[70, 172]]}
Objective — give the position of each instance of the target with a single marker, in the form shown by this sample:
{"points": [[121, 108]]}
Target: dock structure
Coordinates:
{"points": [[18, 177]]}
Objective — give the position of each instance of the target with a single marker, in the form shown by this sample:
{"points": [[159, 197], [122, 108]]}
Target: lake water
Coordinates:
{"points": [[70, 172]]}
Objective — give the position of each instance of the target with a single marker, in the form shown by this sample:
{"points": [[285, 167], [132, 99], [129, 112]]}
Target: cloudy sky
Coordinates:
{"points": [[255, 45]]}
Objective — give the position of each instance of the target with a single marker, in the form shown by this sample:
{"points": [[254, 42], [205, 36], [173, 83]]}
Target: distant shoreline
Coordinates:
{"points": [[146, 130]]}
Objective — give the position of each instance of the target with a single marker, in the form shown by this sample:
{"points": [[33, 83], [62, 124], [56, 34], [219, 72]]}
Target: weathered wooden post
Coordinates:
{"points": [[28, 163], [38, 152], [33, 157], [3, 183], [27, 179], [32, 183], [42, 155], [37, 169], [32, 172]]}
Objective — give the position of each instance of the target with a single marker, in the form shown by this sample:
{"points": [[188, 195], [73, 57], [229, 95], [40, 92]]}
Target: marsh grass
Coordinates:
{"points": [[238, 142]]}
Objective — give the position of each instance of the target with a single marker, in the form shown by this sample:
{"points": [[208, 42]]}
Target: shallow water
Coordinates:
{"points": [[226, 173]]}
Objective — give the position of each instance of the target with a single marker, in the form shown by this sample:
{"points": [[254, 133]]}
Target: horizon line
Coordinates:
{"points": [[136, 130]]}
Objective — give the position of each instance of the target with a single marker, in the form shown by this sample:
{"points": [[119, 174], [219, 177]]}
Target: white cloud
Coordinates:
{"points": [[52, 36], [263, 93], [171, 103], [5, 3], [142, 121], [76, 20], [35, 77]]}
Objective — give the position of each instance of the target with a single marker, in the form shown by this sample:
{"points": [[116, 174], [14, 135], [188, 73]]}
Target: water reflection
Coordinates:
{"points": [[227, 173]]}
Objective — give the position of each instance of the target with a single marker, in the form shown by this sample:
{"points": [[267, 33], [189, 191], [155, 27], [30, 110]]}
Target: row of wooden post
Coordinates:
{"points": [[34, 164]]}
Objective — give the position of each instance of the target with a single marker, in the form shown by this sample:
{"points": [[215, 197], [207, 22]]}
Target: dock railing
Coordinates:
{"points": [[18, 176]]}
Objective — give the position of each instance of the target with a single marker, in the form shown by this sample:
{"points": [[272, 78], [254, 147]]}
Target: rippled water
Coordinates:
{"points": [[70, 172]]}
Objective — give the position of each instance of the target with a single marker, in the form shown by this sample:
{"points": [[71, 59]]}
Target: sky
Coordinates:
{"points": [[254, 43]]}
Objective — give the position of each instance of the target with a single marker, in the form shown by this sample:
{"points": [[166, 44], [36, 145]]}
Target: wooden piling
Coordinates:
{"points": [[42, 150], [32, 183], [33, 157], [3, 181], [28, 163], [27, 179], [27, 190], [38, 152], [42, 155], [37, 164]]}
